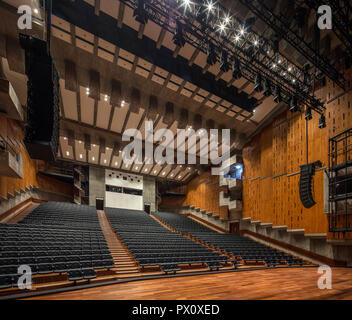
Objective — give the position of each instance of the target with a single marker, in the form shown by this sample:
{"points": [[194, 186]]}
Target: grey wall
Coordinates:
{"points": [[96, 184], [149, 192]]}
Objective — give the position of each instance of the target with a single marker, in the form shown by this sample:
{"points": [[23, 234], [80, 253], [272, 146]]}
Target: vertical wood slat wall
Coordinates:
{"points": [[203, 192], [280, 149]]}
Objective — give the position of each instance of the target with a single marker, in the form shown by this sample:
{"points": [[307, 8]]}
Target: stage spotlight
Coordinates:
{"points": [[277, 94], [249, 23], [293, 104], [236, 69], [267, 88], [211, 55], [140, 12], [224, 64], [258, 87], [210, 7], [179, 36], [306, 77], [322, 122], [308, 114]]}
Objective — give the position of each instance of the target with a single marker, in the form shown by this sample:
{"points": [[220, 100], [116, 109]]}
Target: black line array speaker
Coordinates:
{"points": [[43, 100], [305, 183]]}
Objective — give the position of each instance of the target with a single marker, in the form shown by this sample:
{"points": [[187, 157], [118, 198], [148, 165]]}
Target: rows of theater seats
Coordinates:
{"points": [[239, 246], [61, 214], [74, 244], [153, 245]]}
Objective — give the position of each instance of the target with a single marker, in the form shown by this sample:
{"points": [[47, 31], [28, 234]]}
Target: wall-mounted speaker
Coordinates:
{"points": [[305, 183], [43, 101]]}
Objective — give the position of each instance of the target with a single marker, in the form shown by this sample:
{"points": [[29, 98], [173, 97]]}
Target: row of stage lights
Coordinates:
{"points": [[241, 34]]}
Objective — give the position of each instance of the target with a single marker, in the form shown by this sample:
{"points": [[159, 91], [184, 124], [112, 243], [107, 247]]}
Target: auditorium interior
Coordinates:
{"points": [[175, 149]]}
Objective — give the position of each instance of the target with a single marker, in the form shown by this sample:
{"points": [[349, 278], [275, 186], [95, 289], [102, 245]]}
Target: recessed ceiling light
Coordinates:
{"points": [[67, 153], [94, 145], [81, 156], [36, 11], [106, 97], [154, 171], [145, 170], [136, 168], [126, 165], [105, 161], [164, 173], [93, 158], [79, 141], [65, 138], [115, 163]]}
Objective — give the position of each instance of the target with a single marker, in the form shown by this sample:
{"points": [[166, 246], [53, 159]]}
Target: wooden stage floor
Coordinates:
{"points": [[288, 283]]}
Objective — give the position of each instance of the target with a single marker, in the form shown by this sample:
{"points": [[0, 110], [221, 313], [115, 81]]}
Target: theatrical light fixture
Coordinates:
{"points": [[179, 37], [308, 113], [258, 83], [293, 104], [140, 12], [211, 55], [227, 20], [186, 4], [277, 94], [306, 77], [267, 88], [210, 6], [222, 27], [249, 23], [224, 64], [236, 69], [322, 122]]}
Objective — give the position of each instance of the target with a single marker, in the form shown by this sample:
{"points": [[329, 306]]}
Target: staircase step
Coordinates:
{"points": [[124, 263]]}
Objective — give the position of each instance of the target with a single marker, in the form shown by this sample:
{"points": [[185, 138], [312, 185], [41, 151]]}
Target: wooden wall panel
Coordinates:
{"points": [[269, 195], [203, 192]]}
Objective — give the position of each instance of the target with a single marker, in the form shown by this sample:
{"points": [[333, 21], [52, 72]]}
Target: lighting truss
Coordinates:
{"points": [[341, 12], [278, 23], [208, 23]]}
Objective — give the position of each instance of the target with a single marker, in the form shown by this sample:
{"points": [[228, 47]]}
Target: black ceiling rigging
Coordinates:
{"points": [[341, 13], [218, 32], [278, 23]]}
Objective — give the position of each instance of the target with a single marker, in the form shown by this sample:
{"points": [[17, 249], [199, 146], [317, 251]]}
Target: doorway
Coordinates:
{"points": [[147, 208], [99, 203], [235, 227]]}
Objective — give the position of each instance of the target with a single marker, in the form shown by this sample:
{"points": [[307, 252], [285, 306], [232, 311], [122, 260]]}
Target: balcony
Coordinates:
{"points": [[233, 205]]}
